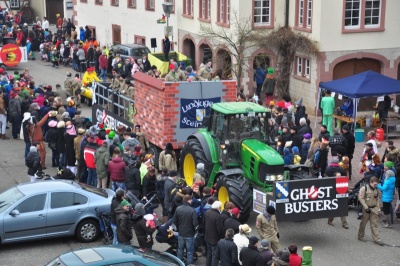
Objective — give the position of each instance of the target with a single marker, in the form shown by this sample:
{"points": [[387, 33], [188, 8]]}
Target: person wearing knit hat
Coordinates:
{"points": [[388, 189], [388, 165], [142, 231], [123, 223], [250, 255], [265, 251], [267, 227], [300, 112], [33, 162], [172, 75]]}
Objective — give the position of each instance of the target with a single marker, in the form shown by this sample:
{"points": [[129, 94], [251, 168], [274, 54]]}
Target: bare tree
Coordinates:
{"points": [[237, 39], [287, 43]]}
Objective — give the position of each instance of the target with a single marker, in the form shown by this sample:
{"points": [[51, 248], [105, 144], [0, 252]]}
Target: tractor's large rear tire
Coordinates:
{"points": [[192, 154], [235, 189]]}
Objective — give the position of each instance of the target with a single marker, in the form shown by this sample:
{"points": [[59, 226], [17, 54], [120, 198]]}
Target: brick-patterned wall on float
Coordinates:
{"points": [[158, 107]]}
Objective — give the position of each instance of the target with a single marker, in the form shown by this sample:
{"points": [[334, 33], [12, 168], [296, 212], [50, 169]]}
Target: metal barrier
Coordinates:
{"points": [[114, 101]]}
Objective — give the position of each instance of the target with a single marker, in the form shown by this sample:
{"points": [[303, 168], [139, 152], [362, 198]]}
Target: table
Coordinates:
{"points": [[340, 118]]}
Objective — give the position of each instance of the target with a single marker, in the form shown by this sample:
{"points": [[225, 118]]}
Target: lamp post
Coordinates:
{"points": [[167, 7]]}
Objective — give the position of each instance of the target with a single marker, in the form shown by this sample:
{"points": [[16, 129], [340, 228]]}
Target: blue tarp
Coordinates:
{"points": [[365, 84]]}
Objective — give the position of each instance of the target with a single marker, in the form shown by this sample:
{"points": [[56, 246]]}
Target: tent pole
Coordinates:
{"points": [[318, 105], [355, 107]]}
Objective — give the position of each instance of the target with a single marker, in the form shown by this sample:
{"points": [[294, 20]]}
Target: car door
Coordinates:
{"points": [[27, 220], [65, 210]]}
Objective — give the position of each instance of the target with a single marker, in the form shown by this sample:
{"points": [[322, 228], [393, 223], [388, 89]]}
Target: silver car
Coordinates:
{"points": [[52, 209]]}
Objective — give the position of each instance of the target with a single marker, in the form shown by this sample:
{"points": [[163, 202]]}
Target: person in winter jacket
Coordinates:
{"points": [[322, 161], [334, 168], [300, 112], [233, 221], [267, 227], [149, 182], [132, 178], [70, 135], [227, 250], [52, 143], [265, 252], [287, 156], [115, 202], [387, 189], [116, 168], [303, 128], [294, 258], [167, 158], [241, 239], [60, 135], [33, 162], [305, 147], [102, 158], [185, 220], [124, 227], [14, 109], [168, 187], [336, 140], [143, 232], [88, 157], [213, 231], [250, 256], [296, 155], [268, 85], [282, 258]]}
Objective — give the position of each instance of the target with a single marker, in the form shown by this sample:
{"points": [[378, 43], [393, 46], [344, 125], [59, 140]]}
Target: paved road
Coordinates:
{"points": [[332, 245]]}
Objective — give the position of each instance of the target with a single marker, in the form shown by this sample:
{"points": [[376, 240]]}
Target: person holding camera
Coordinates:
{"points": [[369, 199]]}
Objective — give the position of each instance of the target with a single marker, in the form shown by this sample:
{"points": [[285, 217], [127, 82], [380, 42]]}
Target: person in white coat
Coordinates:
{"points": [[241, 239]]}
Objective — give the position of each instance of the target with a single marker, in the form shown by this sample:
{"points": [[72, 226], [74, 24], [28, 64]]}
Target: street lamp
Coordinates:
{"points": [[167, 7]]}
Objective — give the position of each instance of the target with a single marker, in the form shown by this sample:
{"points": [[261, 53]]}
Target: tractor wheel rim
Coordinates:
{"points": [[223, 195], [189, 169]]}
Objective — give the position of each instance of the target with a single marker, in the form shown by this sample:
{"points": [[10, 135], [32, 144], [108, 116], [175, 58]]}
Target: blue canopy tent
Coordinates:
{"points": [[362, 85]]}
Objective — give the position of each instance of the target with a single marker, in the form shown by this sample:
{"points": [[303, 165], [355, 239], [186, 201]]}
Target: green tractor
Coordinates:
{"points": [[233, 145]]}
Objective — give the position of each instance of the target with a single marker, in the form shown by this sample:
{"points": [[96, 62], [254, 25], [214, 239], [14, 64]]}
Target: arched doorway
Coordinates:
{"points": [[224, 61], [261, 60], [205, 52], [355, 66], [188, 49]]}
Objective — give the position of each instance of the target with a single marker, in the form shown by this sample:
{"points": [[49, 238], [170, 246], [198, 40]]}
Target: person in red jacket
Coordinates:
{"points": [[294, 258], [116, 168], [103, 66], [88, 155]]}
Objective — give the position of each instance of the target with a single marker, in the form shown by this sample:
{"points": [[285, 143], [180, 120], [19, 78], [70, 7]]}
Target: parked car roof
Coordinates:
{"points": [[115, 254], [56, 185]]}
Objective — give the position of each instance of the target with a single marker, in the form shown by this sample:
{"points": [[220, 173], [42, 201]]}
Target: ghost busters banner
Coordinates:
{"points": [[311, 199], [194, 110]]}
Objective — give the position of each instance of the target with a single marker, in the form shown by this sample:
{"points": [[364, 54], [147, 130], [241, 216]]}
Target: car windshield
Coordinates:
{"points": [[9, 197], [95, 190], [140, 51], [160, 258]]}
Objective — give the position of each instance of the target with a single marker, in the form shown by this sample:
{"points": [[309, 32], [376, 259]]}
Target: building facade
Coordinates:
{"points": [[353, 35]]}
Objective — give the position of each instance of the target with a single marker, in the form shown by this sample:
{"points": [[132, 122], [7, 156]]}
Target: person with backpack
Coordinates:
{"points": [[167, 158]]}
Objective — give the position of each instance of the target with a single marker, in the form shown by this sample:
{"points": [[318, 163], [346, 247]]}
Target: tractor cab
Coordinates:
{"points": [[230, 126]]}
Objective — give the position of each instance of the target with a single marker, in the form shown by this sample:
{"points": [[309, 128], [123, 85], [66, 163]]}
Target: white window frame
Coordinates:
{"points": [[203, 9], [301, 12], [221, 11], [209, 9], [227, 12], [132, 3], [309, 14], [303, 67], [151, 4], [362, 11], [268, 7], [299, 67], [14, 4], [351, 17]]}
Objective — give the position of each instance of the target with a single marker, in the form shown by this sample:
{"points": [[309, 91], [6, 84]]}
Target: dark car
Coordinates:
{"points": [[116, 255], [53, 208], [130, 50]]}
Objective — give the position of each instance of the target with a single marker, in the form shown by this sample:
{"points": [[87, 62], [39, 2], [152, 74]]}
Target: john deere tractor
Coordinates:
{"points": [[234, 147]]}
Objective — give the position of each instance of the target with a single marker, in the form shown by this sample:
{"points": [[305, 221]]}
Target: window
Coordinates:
{"points": [[98, 2], [205, 12], [66, 199], [14, 4], [32, 204], [302, 67], [303, 20], [115, 2], [132, 3], [262, 12], [188, 8], [364, 14], [223, 11], [150, 4], [140, 39]]}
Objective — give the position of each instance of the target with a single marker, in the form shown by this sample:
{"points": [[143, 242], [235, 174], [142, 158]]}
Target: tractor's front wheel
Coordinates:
{"points": [[236, 190], [192, 154]]}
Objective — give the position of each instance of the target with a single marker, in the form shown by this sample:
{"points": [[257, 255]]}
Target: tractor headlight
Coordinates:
{"points": [[279, 177], [264, 114], [273, 177], [222, 146], [227, 142], [225, 151], [237, 115], [259, 114], [268, 178]]}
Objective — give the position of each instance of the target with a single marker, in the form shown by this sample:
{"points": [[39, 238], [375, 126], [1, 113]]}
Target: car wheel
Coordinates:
{"points": [[88, 230]]}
